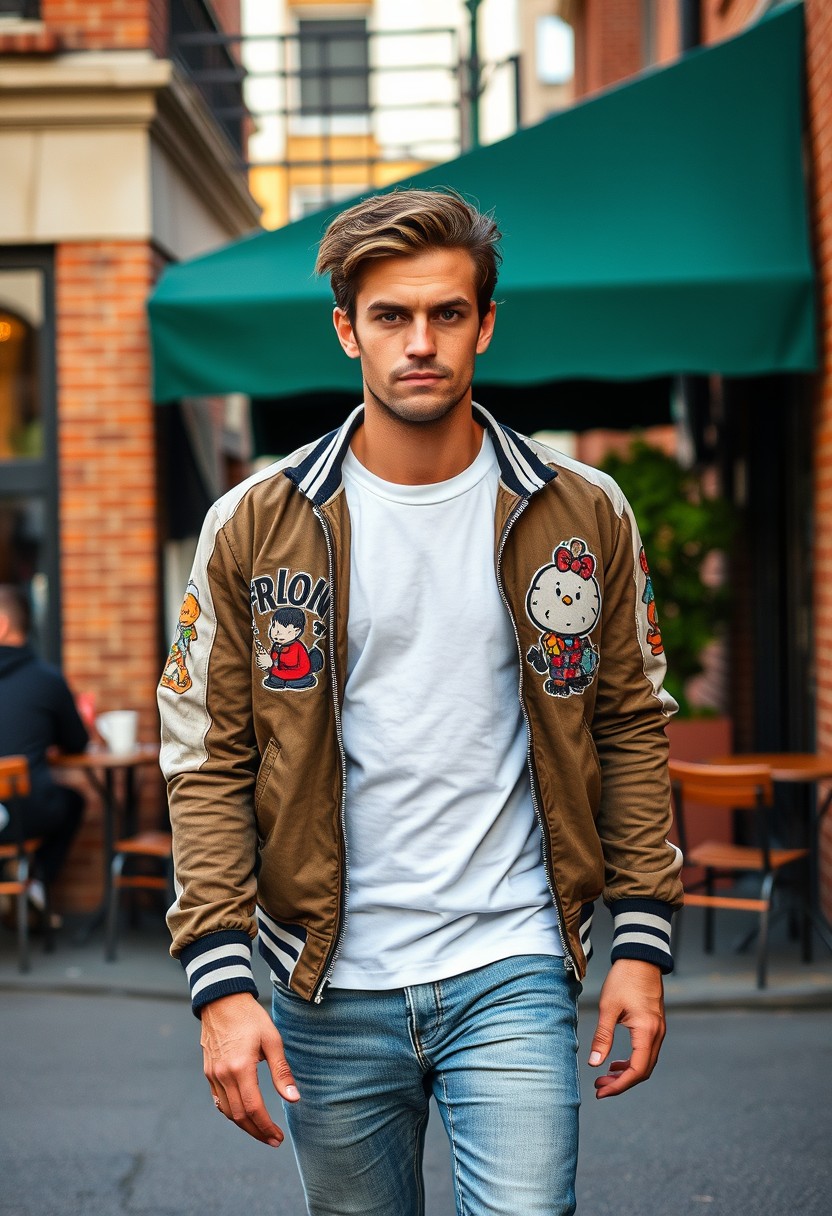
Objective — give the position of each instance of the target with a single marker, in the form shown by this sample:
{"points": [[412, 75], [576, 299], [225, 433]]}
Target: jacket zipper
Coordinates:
{"points": [[568, 960], [331, 958]]}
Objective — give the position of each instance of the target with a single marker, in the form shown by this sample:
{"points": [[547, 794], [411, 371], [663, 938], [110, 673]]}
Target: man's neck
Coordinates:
{"points": [[417, 454]]}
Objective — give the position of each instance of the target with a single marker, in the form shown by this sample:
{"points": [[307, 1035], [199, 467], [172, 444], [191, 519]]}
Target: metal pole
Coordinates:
{"points": [[473, 73], [692, 392]]}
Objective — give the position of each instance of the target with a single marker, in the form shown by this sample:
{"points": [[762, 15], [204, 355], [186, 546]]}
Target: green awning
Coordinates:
{"points": [[658, 228]]}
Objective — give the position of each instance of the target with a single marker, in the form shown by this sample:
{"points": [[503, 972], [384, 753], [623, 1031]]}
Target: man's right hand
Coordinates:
{"points": [[237, 1033]]}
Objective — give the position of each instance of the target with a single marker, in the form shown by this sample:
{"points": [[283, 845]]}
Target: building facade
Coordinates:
{"points": [[774, 434], [347, 97], [115, 162]]}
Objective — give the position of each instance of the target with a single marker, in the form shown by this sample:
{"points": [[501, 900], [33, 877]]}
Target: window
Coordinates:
{"points": [[306, 200], [25, 10], [649, 32], [28, 479], [555, 51], [334, 67]]}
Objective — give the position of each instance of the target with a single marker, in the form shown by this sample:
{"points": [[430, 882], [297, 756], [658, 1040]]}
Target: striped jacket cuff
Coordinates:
{"points": [[218, 964], [641, 929]]}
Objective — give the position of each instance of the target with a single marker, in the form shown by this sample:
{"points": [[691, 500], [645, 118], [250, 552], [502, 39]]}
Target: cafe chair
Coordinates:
{"points": [[18, 857], [728, 788], [156, 846]]}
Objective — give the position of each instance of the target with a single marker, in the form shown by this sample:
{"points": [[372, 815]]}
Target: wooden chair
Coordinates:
{"points": [[14, 785], [733, 787], [157, 846]]}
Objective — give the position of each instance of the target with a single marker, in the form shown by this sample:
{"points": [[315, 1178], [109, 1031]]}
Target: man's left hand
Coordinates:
{"points": [[633, 996]]}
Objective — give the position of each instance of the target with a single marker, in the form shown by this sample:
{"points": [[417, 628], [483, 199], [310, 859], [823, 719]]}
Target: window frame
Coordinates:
{"points": [[23, 10], [358, 122], [37, 476]]}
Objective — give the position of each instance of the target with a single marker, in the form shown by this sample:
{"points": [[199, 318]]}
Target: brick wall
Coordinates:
{"points": [[108, 25], [108, 529], [819, 81], [608, 43]]}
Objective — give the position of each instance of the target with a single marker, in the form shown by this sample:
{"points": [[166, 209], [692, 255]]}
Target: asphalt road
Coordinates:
{"points": [[105, 1112]]}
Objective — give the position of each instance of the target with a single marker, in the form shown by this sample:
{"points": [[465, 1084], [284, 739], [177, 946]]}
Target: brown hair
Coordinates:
{"points": [[407, 222]]}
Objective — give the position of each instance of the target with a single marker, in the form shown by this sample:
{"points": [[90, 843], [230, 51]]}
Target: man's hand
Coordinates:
{"points": [[632, 995], [237, 1034]]}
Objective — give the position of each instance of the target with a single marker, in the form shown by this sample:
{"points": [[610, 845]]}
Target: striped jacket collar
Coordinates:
{"points": [[318, 474]]}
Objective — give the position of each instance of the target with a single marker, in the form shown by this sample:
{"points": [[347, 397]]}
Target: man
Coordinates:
{"points": [[424, 847], [37, 712]]}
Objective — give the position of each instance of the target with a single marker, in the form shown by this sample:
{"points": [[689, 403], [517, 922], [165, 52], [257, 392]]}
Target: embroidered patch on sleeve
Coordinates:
{"points": [[564, 602], [176, 676], [648, 597], [287, 609]]}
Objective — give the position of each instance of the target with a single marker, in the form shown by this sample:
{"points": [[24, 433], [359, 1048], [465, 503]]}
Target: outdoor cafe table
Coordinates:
{"points": [[807, 769], [118, 799]]}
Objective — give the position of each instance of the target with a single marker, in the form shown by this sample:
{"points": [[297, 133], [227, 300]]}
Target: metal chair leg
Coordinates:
{"points": [[24, 963], [116, 867], [709, 914], [762, 945]]}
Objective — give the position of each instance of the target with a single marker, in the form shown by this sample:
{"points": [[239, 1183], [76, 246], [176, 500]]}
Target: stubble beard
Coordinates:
{"points": [[417, 413]]}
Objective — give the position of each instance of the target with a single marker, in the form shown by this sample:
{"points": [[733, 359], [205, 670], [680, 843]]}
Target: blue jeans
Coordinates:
{"points": [[497, 1048]]}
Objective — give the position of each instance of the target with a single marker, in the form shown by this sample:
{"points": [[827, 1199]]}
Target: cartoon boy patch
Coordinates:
{"points": [[564, 601], [289, 664], [176, 676]]}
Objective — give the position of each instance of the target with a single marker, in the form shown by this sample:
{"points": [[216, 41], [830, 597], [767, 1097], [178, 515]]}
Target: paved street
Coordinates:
{"points": [[105, 1113]]}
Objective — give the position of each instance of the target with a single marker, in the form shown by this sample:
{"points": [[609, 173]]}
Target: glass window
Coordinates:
{"points": [[24, 546], [27, 9], [334, 65], [28, 441], [555, 51], [21, 327]]}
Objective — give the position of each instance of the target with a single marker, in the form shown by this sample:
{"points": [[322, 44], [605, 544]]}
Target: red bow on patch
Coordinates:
{"points": [[583, 566]]}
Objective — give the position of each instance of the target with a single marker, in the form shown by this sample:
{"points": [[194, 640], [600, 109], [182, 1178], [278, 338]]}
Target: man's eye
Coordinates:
{"points": [[389, 316], [448, 314]]}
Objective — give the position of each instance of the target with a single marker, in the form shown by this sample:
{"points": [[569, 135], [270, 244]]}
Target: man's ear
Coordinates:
{"points": [[487, 329], [346, 333]]}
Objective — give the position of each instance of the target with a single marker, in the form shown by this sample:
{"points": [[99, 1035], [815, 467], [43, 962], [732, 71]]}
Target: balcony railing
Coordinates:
{"points": [[407, 91], [206, 54]]}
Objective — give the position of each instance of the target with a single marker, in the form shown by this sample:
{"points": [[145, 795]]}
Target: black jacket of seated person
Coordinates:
{"points": [[37, 711]]}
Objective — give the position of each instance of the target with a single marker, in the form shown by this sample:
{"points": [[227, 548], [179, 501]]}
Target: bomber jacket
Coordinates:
{"points": [[257, 774]]}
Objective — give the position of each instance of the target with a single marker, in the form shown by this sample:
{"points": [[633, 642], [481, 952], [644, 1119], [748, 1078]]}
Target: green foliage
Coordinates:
{"points": [[679, 527]]}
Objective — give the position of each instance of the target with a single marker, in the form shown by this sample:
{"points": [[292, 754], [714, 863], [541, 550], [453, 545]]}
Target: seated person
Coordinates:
{"points": [[37, 712]]}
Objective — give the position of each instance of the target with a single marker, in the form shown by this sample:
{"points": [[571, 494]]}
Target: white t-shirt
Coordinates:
{"points": [[444, 849]]}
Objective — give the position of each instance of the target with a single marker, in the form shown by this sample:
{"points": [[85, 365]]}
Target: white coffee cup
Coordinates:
{"points": [[119, 729]]}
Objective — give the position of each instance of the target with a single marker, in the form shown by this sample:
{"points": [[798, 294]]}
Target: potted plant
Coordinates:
{"points": [[681, 527]]}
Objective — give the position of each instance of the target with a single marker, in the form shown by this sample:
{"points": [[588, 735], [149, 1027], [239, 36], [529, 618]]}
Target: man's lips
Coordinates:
{"points": [[425, 376]]}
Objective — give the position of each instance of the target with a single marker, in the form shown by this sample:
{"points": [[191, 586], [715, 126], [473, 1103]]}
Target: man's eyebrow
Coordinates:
{"points": [[391, 306]]}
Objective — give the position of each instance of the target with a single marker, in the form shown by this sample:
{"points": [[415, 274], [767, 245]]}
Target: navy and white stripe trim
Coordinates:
{"points": [[641, 929], [219, 964], [521, 469], [318, 475], [280, 944], [585, 929]]}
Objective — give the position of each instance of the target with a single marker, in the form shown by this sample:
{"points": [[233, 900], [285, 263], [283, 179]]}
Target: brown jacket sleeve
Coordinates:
{"points": [[628, 729], [209, 758]]}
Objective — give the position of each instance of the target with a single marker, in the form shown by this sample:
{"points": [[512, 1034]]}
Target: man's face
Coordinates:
{"points": [[417, 333]]}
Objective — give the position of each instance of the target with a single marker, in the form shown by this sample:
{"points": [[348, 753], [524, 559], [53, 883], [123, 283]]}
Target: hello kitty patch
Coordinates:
{"points": [[564, 602]]}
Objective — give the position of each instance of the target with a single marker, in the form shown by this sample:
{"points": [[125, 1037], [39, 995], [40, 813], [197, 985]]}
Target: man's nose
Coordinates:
{"points": [[420, 342], [567, 599]]}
